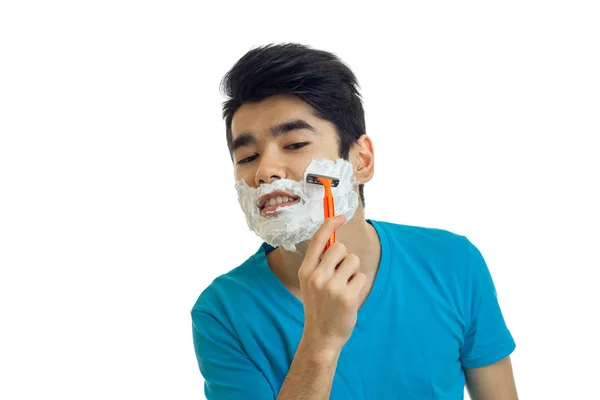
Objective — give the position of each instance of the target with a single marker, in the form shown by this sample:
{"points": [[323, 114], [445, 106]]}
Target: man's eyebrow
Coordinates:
{"points": [[246, 139], [294, 125]]}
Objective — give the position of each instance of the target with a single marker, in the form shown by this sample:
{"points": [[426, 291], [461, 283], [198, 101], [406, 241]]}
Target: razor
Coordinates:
{"points": [[328, 206]]}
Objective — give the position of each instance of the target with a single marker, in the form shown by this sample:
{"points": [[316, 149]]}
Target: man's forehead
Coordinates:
{"points": [[261, 116]]}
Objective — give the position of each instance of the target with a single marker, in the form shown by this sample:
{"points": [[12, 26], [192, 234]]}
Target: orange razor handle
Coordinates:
{"points": [[329, 212], [328, 207]]}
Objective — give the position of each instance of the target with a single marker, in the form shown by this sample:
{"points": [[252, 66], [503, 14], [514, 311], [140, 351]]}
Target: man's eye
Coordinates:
{"points": [[296, 146], [248, 159]]}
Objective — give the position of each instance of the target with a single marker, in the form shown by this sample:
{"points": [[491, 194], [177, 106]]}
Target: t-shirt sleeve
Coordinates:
{"points": [[228, 372], [487, 338]]}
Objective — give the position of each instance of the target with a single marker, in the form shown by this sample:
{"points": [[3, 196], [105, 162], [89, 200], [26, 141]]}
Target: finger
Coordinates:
{"points": [[348, 267], [333, 256], [356, 285], [318, 241], [346, 270]]}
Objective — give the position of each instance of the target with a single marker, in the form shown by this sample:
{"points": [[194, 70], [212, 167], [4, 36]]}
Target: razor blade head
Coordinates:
{"points": [[312, 178]]}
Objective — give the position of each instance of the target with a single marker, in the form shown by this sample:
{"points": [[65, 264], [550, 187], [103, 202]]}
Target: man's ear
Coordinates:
{"points": [[363, 159]]}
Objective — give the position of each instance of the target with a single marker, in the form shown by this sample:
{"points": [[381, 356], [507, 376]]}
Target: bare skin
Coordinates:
{"points": [[492, 382]]}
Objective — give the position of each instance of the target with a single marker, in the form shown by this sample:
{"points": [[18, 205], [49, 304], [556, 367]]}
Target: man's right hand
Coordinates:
{"points": [[331, 289]]}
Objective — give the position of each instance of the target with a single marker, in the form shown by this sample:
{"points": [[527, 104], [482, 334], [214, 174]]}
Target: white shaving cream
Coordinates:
{"points": [[297, 223]]}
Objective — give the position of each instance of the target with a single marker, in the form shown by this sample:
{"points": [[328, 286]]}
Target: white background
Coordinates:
{"points": [[116, 187]]}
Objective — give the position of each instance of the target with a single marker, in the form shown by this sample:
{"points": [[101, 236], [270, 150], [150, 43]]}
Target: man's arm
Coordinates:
{"points": [[492, 382], [487, 343], [331, 286], [311, 374]]}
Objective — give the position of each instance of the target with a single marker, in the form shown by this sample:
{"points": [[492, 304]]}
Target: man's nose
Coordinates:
{"points": [[270, 168]]}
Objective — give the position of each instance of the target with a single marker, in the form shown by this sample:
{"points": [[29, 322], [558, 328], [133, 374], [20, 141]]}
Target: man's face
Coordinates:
{"points": [[277, 138]]}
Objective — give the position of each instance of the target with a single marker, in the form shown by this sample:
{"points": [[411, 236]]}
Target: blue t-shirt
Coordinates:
{"points": [[432, 310]]}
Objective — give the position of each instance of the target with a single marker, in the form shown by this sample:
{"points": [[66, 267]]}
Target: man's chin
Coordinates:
{"points": [[301, 247], [269, 215]]}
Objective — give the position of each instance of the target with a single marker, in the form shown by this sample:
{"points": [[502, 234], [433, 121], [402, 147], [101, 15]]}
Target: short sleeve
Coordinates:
{"points": [[228, 372], [487, 338]]}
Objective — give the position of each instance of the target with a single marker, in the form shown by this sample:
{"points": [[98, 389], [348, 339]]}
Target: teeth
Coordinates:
{"points": [[278, 200]]}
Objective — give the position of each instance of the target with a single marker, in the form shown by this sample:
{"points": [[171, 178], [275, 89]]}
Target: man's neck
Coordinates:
{"points": [[357, 235]]}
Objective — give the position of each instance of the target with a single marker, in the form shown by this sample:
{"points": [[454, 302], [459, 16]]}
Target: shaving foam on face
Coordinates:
{"points": [[295, 224]]}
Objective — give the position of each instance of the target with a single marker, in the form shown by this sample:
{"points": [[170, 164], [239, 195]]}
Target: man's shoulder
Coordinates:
{"points": [[421, 235], [232, 287], [433, 250]]}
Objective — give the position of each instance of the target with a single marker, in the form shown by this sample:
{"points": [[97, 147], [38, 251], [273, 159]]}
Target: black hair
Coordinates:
{"points": [[319, 78]]}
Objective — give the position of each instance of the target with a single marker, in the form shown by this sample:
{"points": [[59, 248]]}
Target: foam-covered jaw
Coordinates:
{"points": [[291, 222]]}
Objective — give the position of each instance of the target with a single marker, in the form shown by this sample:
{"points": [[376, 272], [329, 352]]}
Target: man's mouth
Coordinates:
{"points": [[272, 201]]}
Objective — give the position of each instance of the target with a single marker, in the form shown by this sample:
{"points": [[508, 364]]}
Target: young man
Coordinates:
{"points": [[388, 311]]}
